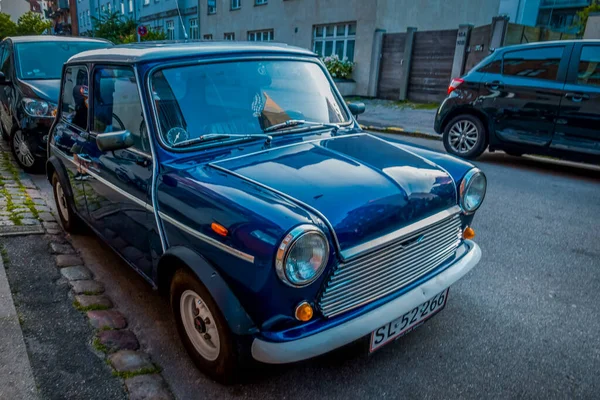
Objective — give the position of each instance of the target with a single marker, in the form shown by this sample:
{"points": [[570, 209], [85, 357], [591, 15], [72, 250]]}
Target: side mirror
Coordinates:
{"points": [[356, 108], [114, 140]]}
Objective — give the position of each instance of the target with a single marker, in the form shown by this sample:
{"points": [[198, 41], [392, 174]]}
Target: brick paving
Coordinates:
{"points": [[23, 212]]}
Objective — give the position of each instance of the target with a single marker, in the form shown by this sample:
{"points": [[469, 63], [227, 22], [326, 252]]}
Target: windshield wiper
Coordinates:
{"points": [[295, 122], [209, 137]]}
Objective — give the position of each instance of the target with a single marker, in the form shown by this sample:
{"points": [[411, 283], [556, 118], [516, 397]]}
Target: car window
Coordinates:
{"points": [[540, 63], [117, 104], [74, 108], [588, 72]]}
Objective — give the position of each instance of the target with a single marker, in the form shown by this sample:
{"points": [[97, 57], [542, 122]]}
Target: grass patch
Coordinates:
{"points": [[131, 374], [99, 346], [91, 307], [31, 205]]}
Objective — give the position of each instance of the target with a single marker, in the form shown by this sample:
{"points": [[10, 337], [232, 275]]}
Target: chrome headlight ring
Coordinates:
{"points": [[287, 246], [472, 190]]}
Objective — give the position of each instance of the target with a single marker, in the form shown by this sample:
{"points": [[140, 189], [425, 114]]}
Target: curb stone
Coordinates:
{"points": [[400, 131], [28, 213]]}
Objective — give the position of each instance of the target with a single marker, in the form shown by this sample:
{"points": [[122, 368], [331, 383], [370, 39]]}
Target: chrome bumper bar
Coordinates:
{"points": [[323, 342]]}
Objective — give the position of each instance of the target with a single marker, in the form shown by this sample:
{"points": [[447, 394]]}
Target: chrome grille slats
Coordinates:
{"points": [[389, 268]]}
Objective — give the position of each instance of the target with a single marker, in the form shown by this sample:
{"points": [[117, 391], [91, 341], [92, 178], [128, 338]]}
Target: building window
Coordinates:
{"points": [[123, 7], [229, 36], [207, 37], [335, 39], [109, 7], [170, 30], [194, 34], [236, 4], [261, 36], [146, 2], [103, 9], [260, 2], [211, 6], [589, 66], [130, 6], [88, 17]]}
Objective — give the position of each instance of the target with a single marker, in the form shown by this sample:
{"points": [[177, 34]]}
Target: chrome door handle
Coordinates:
{"points": [[495, 85], [577, 97]]}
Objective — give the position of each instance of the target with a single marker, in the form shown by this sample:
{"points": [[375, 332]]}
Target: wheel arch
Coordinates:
{"points": [[53, 164], [182, 257]]}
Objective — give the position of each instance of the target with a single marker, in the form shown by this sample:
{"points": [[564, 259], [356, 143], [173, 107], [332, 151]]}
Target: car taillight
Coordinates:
{"points": [[456, 82]]}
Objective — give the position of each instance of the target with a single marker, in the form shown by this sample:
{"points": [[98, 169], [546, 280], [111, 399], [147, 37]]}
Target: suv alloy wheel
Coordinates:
{"points": [[465, 136]]}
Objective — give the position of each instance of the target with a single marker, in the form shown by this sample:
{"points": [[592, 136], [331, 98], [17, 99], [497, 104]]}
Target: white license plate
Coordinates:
{"points": [[408, 321]]}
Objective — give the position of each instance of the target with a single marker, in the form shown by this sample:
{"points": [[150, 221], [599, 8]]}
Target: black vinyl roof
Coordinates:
{"points": [[152, 51]]}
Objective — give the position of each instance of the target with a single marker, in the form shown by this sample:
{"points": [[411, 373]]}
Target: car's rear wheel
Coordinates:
{"points": [[21, 147], [203, 329], [465, 136], [68, 218]]}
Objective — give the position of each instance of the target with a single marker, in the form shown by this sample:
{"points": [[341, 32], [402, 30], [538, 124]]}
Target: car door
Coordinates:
{"points": [[7, 91], [523, 99], [117, 188], [578, 126], [70, 132]]}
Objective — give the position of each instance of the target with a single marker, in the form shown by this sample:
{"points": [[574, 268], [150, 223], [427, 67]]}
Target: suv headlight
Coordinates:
{"points": [[302, 256], [472, 190], [39, 108]]}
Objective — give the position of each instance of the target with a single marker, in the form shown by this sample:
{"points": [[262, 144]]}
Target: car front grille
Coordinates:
{"points": [[388, 269]]}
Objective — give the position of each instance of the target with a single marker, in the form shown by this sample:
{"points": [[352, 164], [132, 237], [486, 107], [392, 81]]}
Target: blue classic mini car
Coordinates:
{"points": [[234, 177]]}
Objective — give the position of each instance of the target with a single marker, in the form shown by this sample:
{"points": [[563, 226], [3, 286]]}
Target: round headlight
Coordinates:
{"points": [[35, 108], [302, 256], [472, 190]]}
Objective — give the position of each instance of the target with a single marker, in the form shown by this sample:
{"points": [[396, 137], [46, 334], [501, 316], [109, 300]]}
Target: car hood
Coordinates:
{"points": [[365, 187], [46, 89]]}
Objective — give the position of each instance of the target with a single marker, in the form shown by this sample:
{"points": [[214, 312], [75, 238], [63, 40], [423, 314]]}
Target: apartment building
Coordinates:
{"points": [[343, 27], [177, 18], [558, 15]]}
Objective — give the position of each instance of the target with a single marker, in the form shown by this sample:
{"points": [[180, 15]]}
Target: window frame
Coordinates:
{"points": [[211, 10], [231, 36], [261, 2], [562, 66], [194, 29], [270, 32], [207, 36], [323, 39], [91, 104], [170, 29], [573, 73], [59, 107], [239, 5]]}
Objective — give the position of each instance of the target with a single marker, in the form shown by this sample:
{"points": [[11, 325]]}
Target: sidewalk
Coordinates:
{"points": [[395, 117], [16, 377]]}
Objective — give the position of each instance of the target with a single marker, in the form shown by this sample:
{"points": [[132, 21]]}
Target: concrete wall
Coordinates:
{"points": [[14, 8], [292, 23], [592, 29]]}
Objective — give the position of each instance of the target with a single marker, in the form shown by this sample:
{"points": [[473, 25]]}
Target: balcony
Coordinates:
{"points": [[564, 3]]}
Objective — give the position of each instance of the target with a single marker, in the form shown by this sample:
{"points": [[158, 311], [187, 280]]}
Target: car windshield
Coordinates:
{"points": [[44, 60], [242, 98]]}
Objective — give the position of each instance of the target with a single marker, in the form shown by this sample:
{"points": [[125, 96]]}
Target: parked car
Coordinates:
{"points": [[234, 177], [30, 69], [539, 98]]}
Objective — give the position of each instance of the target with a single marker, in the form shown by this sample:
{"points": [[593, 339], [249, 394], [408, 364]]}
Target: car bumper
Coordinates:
{"points": [[323, 342]]}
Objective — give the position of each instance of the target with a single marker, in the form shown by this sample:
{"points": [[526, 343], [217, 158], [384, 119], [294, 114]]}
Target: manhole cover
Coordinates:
{"points": [[21, 230]]}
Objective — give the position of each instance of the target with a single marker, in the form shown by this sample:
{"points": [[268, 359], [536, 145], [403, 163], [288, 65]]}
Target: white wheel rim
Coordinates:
{"points": [[61, 202], [22, 150], [199, 324], [463, 136]]}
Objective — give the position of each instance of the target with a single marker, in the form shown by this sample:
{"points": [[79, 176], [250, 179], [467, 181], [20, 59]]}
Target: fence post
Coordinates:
{"points": [[498, 32], [405, 71], [375, 62], [460, 52]]}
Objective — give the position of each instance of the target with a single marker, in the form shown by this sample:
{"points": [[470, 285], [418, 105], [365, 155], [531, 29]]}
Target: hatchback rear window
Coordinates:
{"points": [[541, 63]]}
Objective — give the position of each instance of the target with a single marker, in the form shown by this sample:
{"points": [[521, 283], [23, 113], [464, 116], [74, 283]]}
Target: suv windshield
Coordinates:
{"points": [[44, 60], [242, 98]]}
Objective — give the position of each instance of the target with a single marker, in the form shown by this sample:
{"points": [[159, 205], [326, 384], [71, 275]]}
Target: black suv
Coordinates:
{"points": [[30, 71], [538, 98]]}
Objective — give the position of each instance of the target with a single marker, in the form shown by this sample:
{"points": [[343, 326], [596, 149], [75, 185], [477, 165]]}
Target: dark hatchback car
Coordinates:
{"points": [[30, 70], [539, 98]]}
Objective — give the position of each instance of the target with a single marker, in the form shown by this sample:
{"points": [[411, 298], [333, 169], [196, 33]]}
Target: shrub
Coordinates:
{"points": [[339, 69], [113, 27]]}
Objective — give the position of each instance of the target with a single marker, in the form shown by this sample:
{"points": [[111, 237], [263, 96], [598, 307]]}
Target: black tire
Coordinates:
{"points": [[465, 120], [28, 163], [68, 218], [226, 367]]}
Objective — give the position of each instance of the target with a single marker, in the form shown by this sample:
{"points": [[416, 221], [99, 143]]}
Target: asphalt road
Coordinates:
{"points": [[523, 324]]}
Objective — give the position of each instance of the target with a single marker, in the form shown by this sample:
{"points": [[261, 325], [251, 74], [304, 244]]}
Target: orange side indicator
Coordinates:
{"points": [[219, 229], [468, 233], [304, 312]]}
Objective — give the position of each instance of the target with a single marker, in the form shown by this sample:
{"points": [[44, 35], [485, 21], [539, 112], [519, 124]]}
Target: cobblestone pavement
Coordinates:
{"points": [[55, 294]]}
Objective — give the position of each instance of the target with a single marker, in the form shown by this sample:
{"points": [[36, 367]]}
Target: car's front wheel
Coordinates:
{"points": [[465, 136], [23, 150], [203, 329]]}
